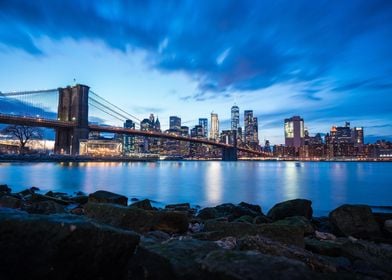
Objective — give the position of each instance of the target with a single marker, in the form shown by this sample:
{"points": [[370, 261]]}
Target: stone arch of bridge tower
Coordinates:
{"points": [[72, 107]]}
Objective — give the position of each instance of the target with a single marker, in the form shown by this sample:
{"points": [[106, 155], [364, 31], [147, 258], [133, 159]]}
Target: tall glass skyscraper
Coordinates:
{"points": [[203, 122], [235, 118]]}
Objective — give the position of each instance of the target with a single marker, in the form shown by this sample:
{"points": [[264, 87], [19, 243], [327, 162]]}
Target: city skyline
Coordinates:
{"points": [[251, 59]]}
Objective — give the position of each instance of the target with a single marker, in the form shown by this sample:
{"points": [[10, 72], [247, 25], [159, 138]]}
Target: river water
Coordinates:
{"points": [[209, 183]]}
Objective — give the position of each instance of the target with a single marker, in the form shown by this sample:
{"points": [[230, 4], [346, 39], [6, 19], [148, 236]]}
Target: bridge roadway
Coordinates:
{"points": [[41, 122]]}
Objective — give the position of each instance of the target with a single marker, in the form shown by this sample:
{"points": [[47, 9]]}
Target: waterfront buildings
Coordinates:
{"points": [[251, 133], [128, 140], [214, 132], [235, 117], [175, 123], [294, 132], [203, 122]]}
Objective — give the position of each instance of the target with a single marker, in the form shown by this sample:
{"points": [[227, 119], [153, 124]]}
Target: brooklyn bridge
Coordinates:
{"points": [[72, 122]]}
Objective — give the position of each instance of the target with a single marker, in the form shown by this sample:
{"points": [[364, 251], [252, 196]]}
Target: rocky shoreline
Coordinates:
{"points": [[102, 236]]}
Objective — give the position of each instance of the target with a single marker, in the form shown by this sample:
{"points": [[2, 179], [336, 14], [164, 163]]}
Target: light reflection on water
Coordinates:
{"points": [[327, 184]]}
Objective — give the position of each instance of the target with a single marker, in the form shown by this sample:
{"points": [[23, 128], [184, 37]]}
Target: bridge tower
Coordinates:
{"points": [[72, 107], [230, 154]]}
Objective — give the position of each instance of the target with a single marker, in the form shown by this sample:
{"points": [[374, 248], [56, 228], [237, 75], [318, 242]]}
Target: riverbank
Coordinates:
{"points": [[59, 234], [154, 157]]}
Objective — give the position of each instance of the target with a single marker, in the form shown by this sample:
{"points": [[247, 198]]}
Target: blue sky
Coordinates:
{"points": [[327, 61]]}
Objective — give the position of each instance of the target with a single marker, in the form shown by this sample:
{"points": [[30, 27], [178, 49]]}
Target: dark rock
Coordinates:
{"points": [[299, 221], [138, 219], [25, 192], [77, 211], [178, 207], [378, 255], [62, 247], [270, 247], [134, 199], [43, 207], [35, 197], [108, 197], [289, 208], [175, 259], [282, 233], [252, 265], [388, 226], [368, 270], [355, 220], [157, 235], [253, 207], [80, 193], [9, 201], [59, 195], [323, 247], [142, 204], [4, 189], [244, 219], [228, 210], [81, 199], [207, 213], [322, 224], [34, 189], [261, 220]]}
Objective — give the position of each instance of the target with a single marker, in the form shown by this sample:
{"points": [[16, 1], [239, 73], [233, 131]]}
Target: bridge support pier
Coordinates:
{"points": [[229, 154], [72, 107]]}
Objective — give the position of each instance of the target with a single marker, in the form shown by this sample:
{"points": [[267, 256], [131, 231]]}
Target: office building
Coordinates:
{"points": [[235, 118], [214, 132], [251, 133], [294, 132], [128, 140], [204, 124], [175, 123]]}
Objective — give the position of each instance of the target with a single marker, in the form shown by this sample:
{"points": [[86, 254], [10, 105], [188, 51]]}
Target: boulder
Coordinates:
{"points": [[62, 247], [262, 219], [355, 220], [174, 259], [4, 189], [388, 226], [43, 207], [244, 219], [230, 211], [378, 255], [80, 199], [178, 207], [9, 201], [323, 247], [137, 219], [299, 221], [267, 246], [252, 265], [207, 213], [142, 204], [283, 233], [289, 208], [253, 207], [108, 197]]}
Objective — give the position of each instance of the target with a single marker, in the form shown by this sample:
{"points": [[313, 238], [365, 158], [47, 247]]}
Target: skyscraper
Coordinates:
{"points": [[214, 132], [255, 131], [203, 122], [175, 123], [248, 126], [294, 132], [128, 140], [235, 118]]}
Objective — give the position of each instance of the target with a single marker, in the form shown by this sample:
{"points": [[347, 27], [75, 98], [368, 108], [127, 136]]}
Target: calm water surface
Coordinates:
{"points": [[327, 184]]}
